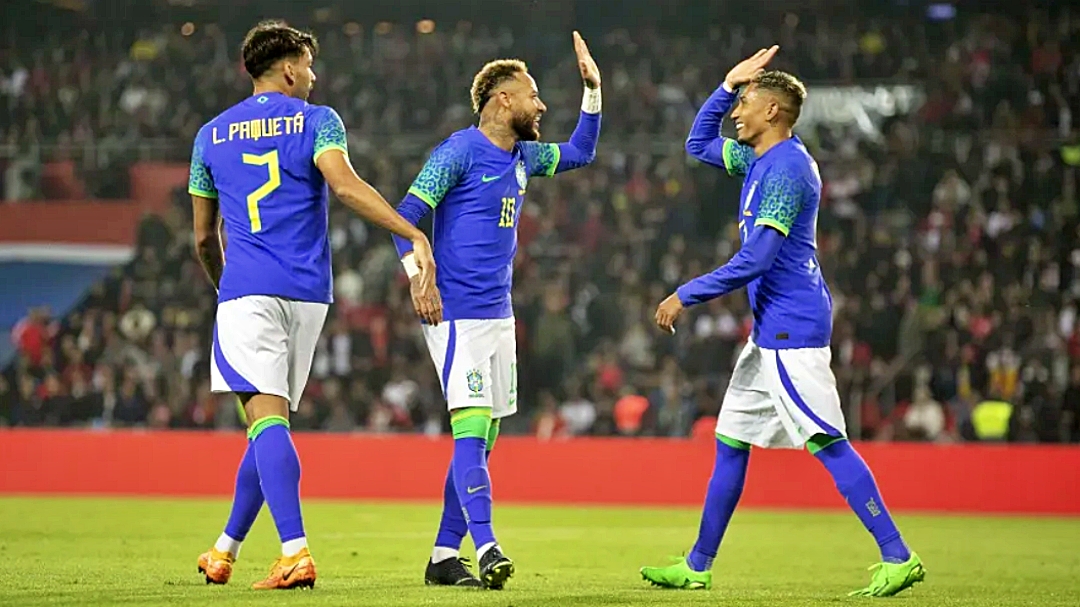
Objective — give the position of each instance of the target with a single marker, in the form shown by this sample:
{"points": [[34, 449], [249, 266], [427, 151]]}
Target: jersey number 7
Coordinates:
{"points": [[270, 160]]}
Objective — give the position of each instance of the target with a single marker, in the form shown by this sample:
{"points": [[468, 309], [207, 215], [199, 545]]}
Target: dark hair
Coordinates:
{"points": [[492, 75], [791, 92], [271, 41]]}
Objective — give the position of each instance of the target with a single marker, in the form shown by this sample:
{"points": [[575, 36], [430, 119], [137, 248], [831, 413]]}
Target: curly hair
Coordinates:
{"points": [[491, 76], [270, 41], [788, 89]]}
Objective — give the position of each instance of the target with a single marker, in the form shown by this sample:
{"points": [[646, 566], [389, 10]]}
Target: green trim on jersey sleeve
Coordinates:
{"points": [[442, 171], [782, 196], [329, 133], [542, 158], [200, 180], [737, 157]]}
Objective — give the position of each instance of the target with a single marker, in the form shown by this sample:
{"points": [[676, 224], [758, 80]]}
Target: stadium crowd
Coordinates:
{"points": [[950, 243]]}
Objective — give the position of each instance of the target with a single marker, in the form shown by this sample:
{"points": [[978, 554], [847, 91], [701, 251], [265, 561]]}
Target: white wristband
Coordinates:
{"points": [[411, 269], [590, 102]]}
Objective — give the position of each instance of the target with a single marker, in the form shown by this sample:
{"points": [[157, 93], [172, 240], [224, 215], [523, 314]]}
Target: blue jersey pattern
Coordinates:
{"points": [[791, 303], [477, 190], [258, 159]]}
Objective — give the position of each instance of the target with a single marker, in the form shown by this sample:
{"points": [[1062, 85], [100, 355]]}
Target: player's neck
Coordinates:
{"points": [[501, 135], [269, 86], [770, 139]]}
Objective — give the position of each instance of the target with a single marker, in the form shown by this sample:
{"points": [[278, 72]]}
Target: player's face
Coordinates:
{"points": [[301, 75], [751, 115], [526, 108]]}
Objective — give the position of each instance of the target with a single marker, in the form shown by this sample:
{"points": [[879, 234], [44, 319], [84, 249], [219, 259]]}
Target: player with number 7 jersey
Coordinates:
{"points": [[264, 167]]}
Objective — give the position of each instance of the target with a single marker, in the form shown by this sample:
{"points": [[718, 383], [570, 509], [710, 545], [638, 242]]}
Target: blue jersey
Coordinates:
{"points": [[477, 190], [791, 303], [258, 159]]}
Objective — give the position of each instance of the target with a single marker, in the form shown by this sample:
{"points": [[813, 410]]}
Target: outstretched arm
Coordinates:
{"points": [[753, 259]]}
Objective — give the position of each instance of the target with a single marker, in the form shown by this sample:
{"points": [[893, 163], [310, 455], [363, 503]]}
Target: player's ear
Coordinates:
{"points": [[288, 69]]}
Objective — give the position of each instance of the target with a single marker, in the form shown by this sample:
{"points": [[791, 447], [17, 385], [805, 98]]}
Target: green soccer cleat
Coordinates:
{"points": [[889, 579], [678, 575]]}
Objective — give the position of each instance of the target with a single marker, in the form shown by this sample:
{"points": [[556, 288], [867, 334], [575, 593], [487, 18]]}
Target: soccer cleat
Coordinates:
{"points": [[495, 569], [451, 572], [678, 575], [296, 571], [889, 579], [216, 566]]}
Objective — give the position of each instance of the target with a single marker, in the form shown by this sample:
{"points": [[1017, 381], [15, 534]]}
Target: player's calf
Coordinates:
{"points": [[899, 568]]}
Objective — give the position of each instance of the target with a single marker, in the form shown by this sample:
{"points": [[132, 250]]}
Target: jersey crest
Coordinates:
{"points": [[521, 174], [475, 381]]}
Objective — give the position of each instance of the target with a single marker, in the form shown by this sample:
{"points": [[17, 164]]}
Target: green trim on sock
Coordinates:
{"points": [[818, 442], [471, 422], [493, 433], [263, 423], [241, 414], [733, 443]]}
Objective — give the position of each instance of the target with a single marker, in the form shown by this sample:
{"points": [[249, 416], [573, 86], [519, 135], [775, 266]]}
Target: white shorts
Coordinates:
{"points": [[265, 344], [477, 363], [781, 398]]}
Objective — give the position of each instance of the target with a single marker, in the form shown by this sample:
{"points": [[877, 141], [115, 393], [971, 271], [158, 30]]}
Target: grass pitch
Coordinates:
{"points": [[142, 552]]}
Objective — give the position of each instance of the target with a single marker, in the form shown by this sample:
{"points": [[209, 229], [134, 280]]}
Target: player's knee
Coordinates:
{"points": [[471, 422], [818, 442], [258, 406]]}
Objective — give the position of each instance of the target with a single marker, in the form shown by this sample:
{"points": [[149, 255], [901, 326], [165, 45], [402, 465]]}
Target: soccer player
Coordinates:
{"points": [[264, 165], [782, 391], [475, 182]]}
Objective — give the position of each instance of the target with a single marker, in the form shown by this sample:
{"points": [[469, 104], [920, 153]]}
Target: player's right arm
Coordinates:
{"points": [[204, 205], [331, 157], [442, 171], [705, 141]]}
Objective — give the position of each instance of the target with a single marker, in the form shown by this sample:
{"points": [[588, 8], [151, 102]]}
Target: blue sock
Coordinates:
{"points": [[725, 488], [452, 526], [856, 483], [279, 475], [473, 485], [248, 498]]}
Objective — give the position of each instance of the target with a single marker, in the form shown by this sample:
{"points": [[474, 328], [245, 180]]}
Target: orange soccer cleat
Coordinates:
{"points": [[296, 571], [216, 566]]}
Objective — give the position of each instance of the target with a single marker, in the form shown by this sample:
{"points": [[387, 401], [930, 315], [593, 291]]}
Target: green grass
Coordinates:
{"points": [[142, 552]]}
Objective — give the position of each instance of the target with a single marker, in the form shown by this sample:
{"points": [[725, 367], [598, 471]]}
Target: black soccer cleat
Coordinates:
{"points": [[495, 569], [451, 572]]}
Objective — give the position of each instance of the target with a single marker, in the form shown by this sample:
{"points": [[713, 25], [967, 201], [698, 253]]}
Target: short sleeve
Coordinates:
{"points": [[442, 171], [541, 158], [200, 180], [329, 133], [782, 194], [737, 157]]}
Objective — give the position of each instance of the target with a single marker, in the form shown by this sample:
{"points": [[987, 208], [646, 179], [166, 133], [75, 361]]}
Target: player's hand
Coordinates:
{"points": [[668, 312], [589, 72], [426, 298], [749, 68]]}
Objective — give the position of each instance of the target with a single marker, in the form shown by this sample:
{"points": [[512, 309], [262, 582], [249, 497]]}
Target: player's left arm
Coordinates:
{"points": [[782, 198], [204, 205], [548, 159]]}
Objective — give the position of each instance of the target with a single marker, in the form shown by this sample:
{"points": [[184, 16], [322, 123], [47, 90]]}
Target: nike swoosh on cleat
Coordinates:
{"points": [[487, 179], [472, 490], [288, 573]]}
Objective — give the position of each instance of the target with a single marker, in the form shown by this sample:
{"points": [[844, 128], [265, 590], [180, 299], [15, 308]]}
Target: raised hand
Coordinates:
{"points": [[749, 68], [589, 72]]}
